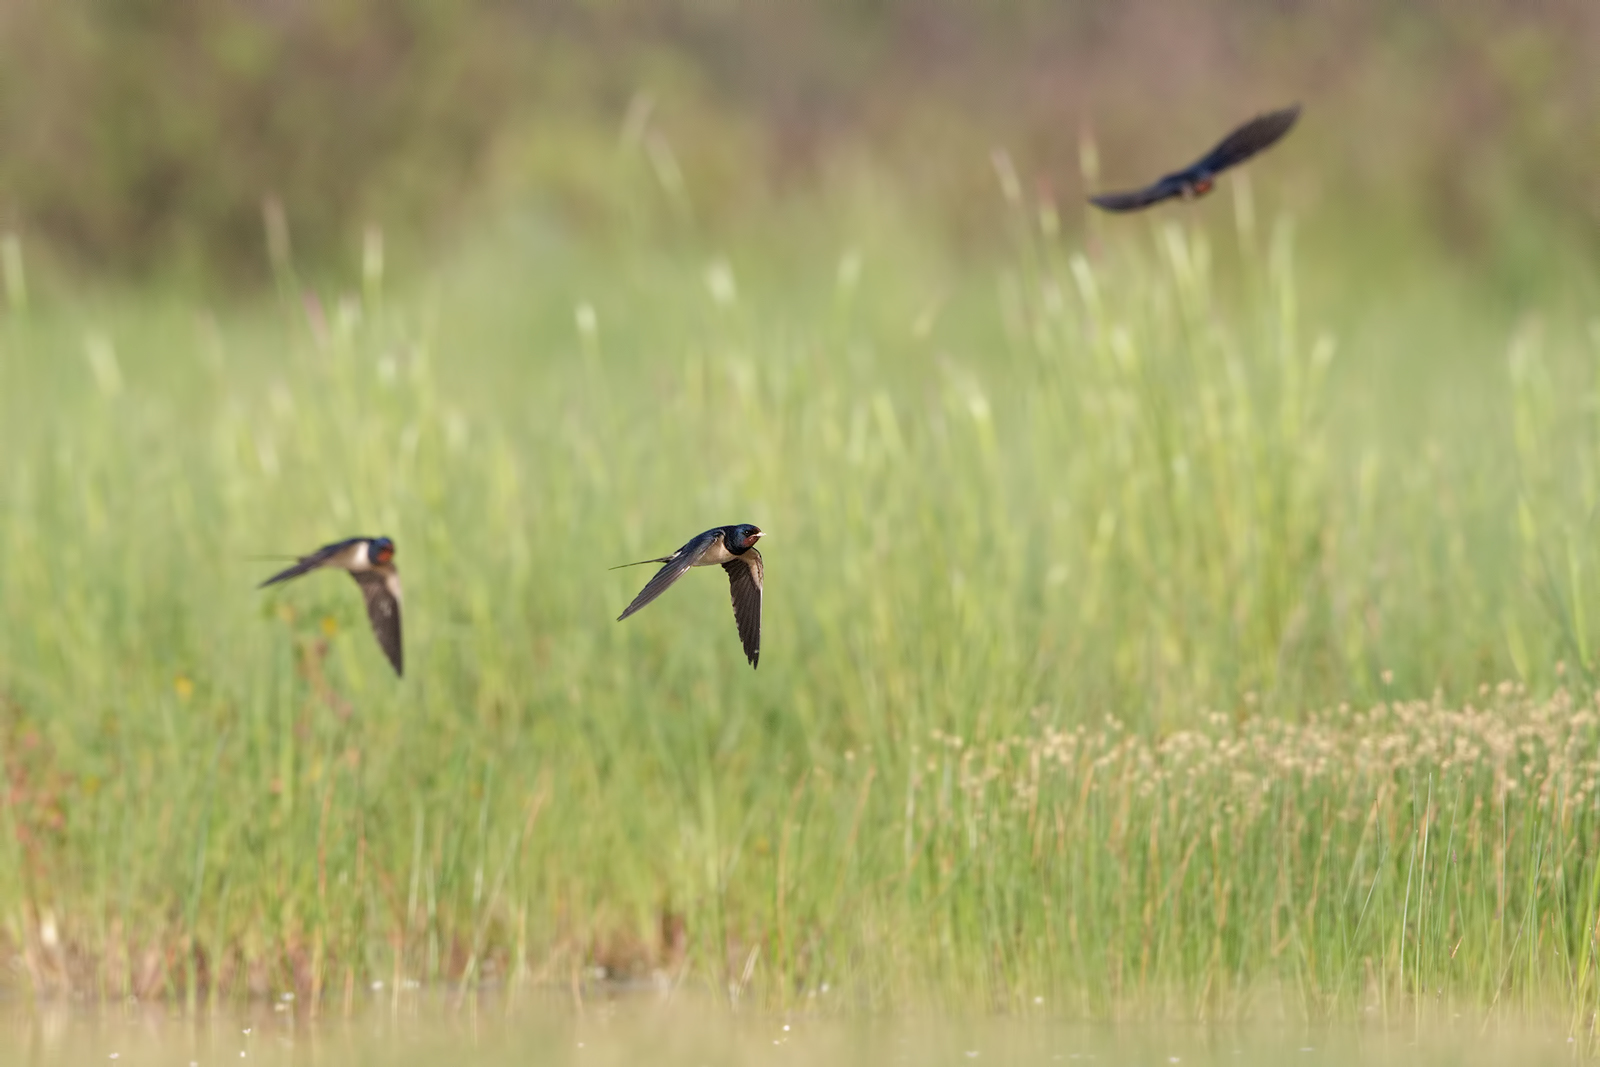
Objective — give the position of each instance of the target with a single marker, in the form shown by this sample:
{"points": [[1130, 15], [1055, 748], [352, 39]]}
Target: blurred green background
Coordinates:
{"points": [[143, 137], [540, 288]]}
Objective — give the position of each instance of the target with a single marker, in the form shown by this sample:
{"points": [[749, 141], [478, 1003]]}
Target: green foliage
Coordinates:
{"points": [[143, 135], [1004, 501], [143, 138]]}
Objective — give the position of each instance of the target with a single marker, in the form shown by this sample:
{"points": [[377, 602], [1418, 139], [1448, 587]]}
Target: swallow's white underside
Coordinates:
{"points": [[353, 558], [717, 554]]}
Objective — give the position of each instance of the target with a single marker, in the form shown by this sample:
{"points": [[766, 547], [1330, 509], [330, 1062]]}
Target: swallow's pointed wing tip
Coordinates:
{"points": [[673, 567], [745, 583], [652, 589], [310, 562], [393, 648], [1131, 199], [1257, 135], [382, 592], [1276, 121], [658, 584]]}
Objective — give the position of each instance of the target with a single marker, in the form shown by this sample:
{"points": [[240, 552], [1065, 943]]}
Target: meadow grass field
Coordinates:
{"points": [[1141, 638]]}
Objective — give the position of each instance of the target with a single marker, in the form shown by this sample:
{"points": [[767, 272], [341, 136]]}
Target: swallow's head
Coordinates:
{"points": [[1201, 187], [742, 537], [380, 551]]}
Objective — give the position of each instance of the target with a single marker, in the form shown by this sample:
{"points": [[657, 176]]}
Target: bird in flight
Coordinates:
{"points": [[735, 548], [1259, 133], [370, 561]]}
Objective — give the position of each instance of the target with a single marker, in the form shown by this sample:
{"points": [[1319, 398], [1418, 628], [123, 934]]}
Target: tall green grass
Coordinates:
{"points": [[1073, 579]]}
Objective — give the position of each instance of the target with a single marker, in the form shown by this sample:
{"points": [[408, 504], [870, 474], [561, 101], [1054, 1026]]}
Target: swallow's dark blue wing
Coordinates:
{"points": [[744, 583], [382, 590], [312, 562], [677, 563], [1259, 133], [1134, 199]]}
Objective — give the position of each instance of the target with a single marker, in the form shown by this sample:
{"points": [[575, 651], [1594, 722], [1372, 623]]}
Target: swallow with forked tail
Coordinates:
{"points": [[735, 548], [1197, 179], [370, 561]]}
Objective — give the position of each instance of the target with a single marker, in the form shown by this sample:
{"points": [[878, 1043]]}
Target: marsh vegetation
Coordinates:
{"points": [[1170, 616]]}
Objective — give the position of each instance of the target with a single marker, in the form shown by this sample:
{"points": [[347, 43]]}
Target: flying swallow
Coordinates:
{"points": [[735, 548], [370, 561], [1259, 133]]}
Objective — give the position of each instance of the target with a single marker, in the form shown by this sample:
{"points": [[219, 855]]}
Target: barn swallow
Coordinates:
{"points": [[1261, 132], [370, 561], [735, 548]]}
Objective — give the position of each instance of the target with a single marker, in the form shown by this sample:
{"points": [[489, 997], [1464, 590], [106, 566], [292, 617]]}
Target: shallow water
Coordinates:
{"points": [[464, 1034]]}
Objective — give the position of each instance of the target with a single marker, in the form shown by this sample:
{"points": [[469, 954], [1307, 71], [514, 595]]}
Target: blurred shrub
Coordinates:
{"points": [[139, 133], [133, 131]]}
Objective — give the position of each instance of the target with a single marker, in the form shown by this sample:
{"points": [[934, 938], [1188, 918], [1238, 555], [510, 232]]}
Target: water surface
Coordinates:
{"points": [[466, 1033]]}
